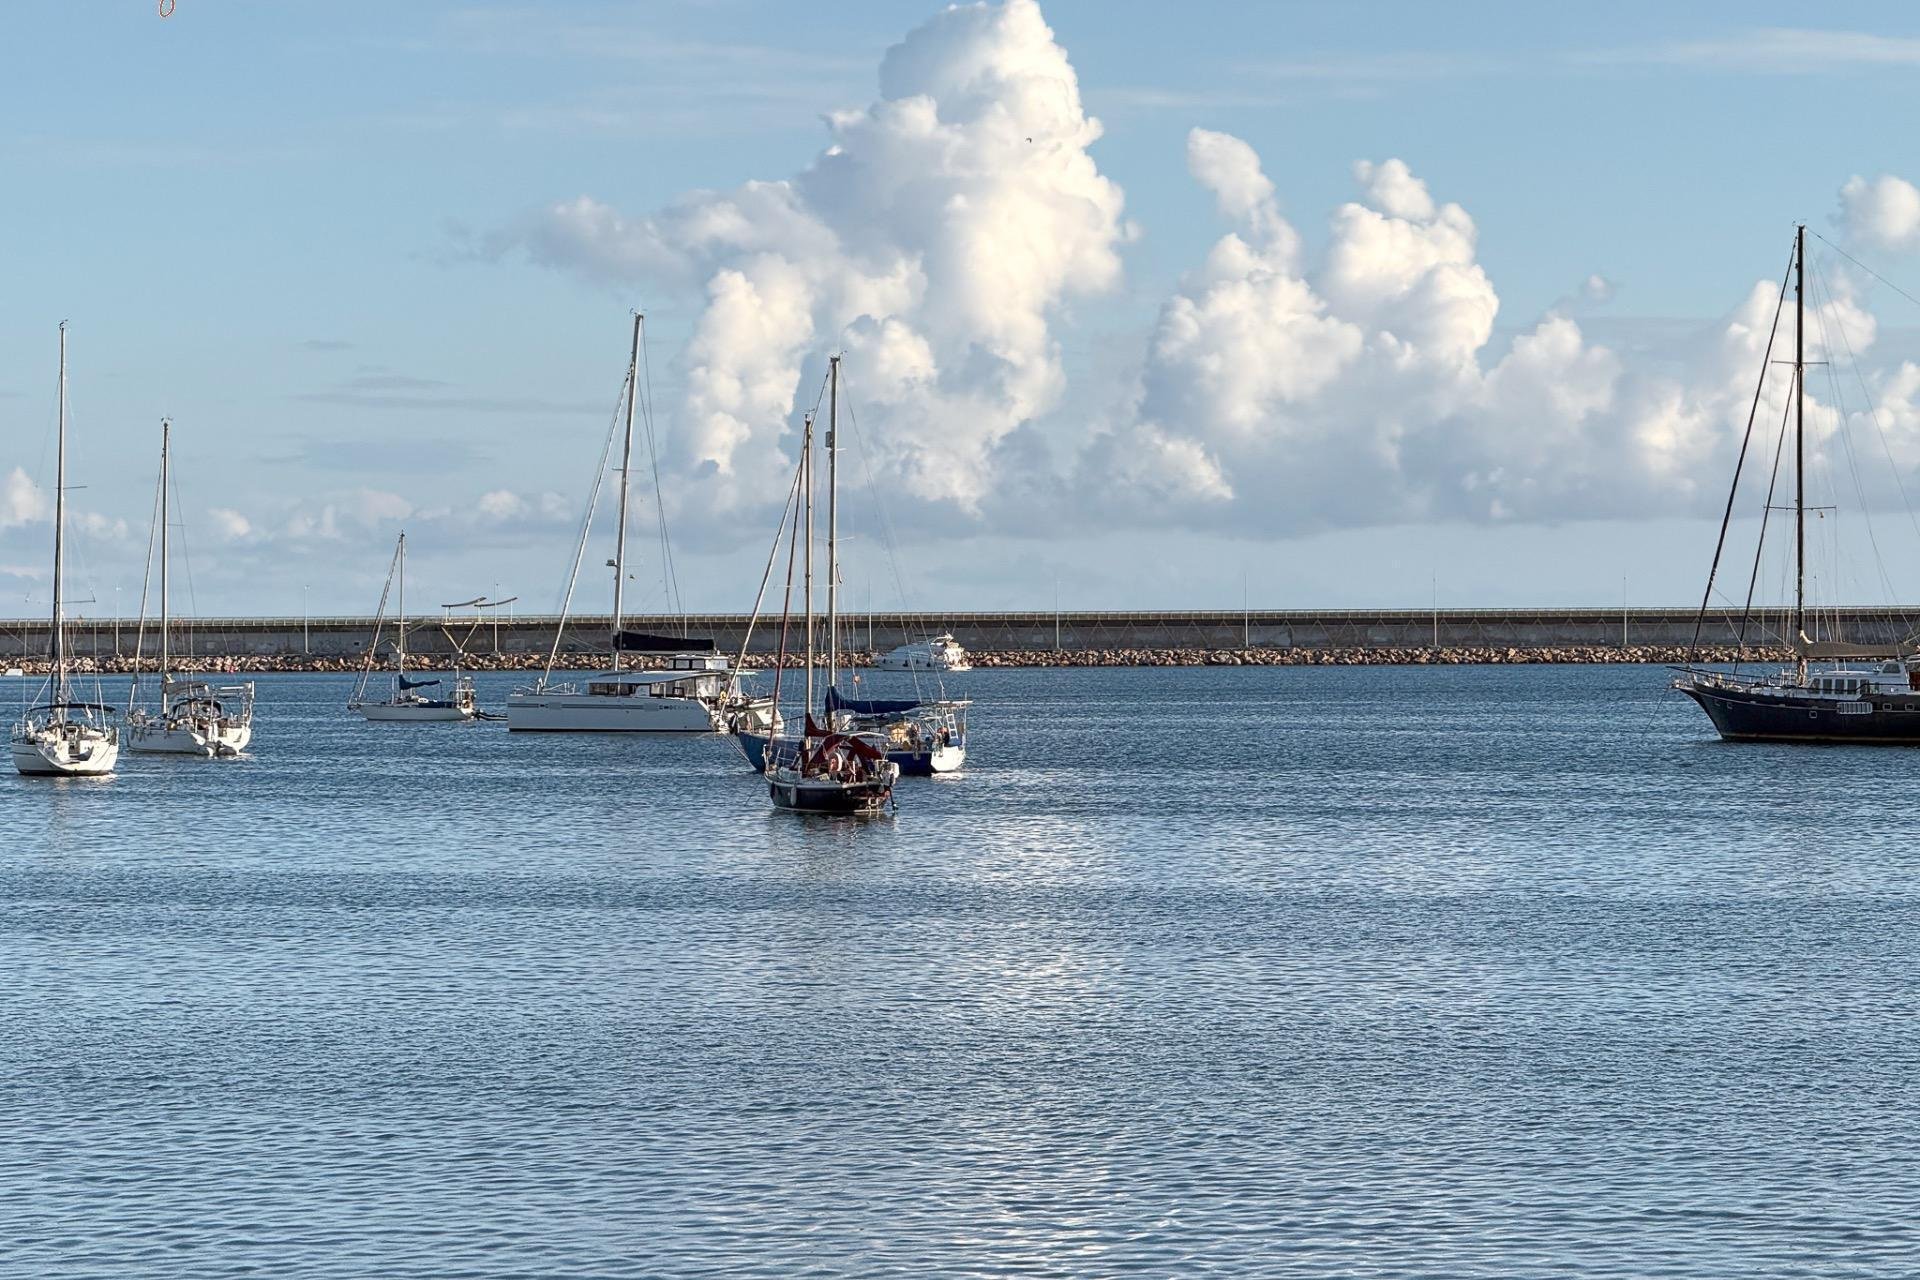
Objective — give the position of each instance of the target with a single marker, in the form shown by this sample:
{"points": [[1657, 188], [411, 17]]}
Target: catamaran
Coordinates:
{"points": [[684, 686], [406, 699], [1879, 703], [194, 717], [62, 737]]}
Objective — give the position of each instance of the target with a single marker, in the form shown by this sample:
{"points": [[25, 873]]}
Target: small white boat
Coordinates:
{"points": [[63, 737], [15, 672], [405, 699], [941, 653], [194, 718]]}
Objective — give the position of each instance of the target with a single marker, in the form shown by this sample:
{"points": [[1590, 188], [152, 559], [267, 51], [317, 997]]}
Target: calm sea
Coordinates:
{"points": [[1359, 972]]}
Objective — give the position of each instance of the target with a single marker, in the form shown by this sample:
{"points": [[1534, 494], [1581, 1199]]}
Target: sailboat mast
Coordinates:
{"points": [[400, 606], [1800, 436], [59, 541], [806, 467], [833, 522], [626, 461], [166, 431]]}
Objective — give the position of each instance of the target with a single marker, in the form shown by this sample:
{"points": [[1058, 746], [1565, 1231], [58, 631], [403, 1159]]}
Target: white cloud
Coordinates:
{"points": [[942, 236], [21, 501], [1361, 390], [936, 239], [1883, 213], [230, 524]]}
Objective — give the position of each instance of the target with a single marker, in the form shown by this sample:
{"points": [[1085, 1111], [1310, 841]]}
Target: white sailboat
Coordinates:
{"points": [[686, 686], [405, 699], [194, 718], [62, 737]]}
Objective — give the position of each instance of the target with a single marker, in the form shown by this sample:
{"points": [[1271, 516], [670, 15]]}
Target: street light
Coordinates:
{"points": [[303, 620]]}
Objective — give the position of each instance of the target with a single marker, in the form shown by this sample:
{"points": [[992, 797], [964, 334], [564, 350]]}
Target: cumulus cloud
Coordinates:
{"points": [[1883, 213], [21, 501], [1364, 388], [944, 235], [229, 524], [936, 239]]}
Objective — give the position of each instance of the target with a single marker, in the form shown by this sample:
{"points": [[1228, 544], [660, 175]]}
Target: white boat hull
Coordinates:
{"points": [[596, 713], [413, 712], [181, 740], [47, 756]]}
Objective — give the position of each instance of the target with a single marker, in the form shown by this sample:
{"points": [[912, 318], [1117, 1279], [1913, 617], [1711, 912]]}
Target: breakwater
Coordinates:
{"points": [[1336, 657], [1491, 633]]}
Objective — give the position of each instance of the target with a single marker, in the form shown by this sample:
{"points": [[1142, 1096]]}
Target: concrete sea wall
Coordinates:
{"points": [[1007, 639]]}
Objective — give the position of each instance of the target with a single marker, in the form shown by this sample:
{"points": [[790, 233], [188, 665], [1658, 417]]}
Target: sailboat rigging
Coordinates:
{"points": [[63, 737], [1835, 703], [194, 718], [405, 699], [685, 686], [828, 769]]}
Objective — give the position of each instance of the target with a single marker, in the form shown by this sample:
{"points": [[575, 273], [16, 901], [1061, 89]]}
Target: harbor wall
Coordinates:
{"points": [[1034, 633]]}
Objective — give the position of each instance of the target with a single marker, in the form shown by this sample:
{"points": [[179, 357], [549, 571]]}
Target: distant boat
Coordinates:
{"points": [[62, 737], [1879, 703], [939, 653], [687, 686], [406, 698], [825, 769], [194, 718]]}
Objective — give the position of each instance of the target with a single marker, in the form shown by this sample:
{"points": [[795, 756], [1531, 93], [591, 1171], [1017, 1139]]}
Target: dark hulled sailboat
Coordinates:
{"points": [[1878, 702]]}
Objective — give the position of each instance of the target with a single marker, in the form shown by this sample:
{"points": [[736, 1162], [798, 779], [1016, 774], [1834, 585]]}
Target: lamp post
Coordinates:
{"points": [[305, 648], [116, 620]]}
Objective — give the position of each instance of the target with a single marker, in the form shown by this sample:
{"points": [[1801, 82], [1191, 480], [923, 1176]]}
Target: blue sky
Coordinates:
{"points": [[310, 234]]}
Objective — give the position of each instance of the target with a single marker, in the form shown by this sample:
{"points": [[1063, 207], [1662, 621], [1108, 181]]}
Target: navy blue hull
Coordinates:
{"points": [[913, 764], [1741, 715], [868, 798]]}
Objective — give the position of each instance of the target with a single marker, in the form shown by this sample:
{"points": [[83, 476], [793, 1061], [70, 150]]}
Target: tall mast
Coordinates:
{"points": [[806, 466], [626, 460], [833, 522], [1800, 437], [166, 431], [59, 540], [400, 644]]}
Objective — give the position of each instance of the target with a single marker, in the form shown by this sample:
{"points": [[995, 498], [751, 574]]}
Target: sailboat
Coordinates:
{"points": [[194, 718], [827, 770], [405, 699], [918, 736], [1874, 703], [684, 686], [62, 737]]}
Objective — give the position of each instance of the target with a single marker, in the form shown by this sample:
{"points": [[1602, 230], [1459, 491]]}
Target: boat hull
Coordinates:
{"points": [[812, 795], [180, 740], [591, 713], [420, 712], [1742, 715], [922, 763], [39, 758]]}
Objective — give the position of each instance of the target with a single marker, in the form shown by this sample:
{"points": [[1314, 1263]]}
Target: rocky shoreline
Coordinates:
{"points": [[1352, 656]]}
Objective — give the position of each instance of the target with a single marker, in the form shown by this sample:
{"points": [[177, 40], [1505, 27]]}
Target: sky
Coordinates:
{"points": [[1302, 306]]}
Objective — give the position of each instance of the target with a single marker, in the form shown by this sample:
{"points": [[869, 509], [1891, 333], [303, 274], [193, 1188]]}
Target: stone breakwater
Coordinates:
{"points": [[1353, 656]]}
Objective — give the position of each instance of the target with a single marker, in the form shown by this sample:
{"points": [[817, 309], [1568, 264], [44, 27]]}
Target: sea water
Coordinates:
{"points": [[1287, 971]]}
